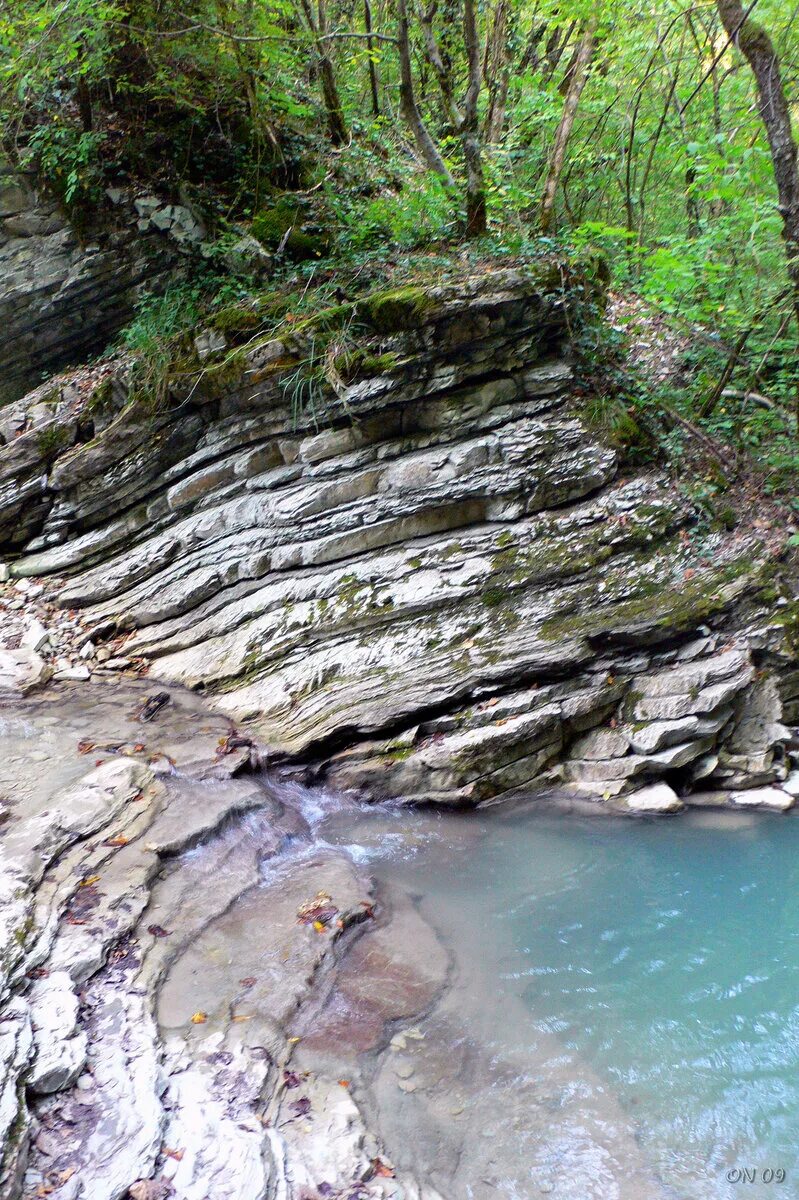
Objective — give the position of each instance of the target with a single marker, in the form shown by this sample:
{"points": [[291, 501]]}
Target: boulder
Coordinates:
{"points": [[657, 798]]}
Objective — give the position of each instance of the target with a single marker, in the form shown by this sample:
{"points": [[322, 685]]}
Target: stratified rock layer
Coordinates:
{"points": [[431, 580]]}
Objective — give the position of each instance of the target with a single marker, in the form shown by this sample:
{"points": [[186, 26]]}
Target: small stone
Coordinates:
{"points": [[791, 783], [87, 650], [35, 636], [77, 673], [103, 654], [85, 1083], [659, 798], [406, 1085], [5, 573], [208, 342]]}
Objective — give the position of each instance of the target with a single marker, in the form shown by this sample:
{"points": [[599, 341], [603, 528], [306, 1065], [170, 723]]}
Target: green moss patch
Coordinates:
{"points": [[396, 310]]}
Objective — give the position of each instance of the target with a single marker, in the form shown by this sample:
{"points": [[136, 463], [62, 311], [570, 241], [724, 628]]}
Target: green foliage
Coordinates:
{"points": [[667, 179], [161, 318], [69, 161]]}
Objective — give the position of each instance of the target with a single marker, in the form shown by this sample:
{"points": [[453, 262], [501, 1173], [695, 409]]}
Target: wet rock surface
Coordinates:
{"points": [[165, 921]]}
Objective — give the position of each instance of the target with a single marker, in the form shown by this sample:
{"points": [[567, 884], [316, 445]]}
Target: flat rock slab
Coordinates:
{"points": [[659, 798]]}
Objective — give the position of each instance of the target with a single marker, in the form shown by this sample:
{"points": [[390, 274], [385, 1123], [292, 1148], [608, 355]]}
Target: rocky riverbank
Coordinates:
{"points": [[434, 580], [203, 997], [166, 922]]}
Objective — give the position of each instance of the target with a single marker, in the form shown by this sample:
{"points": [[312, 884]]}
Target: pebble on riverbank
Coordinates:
{"points": [[40, 640]]}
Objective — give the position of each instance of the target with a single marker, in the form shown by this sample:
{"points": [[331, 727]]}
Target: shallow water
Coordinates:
{"points": [[661, 957]]}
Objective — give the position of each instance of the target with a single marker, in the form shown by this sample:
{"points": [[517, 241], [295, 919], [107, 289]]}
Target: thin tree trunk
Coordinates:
{"points": [[465, 120], [373, 86], [497, 73], [410, 110], [756, 46], [475, 184], [317, 24], [442, 73], [566, 124]]}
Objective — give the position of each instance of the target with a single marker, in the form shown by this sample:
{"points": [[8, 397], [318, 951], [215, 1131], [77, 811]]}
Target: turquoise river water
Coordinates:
{"points": [[662, 956]]}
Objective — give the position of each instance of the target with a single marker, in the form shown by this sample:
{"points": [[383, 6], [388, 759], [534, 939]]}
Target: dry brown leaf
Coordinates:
{"points": [[149, 1189], [382, 1170]]}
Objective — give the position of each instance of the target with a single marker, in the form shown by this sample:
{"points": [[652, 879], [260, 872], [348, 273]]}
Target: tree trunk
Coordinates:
{"points": [[497, 73], [475, 183], [317, 24], [756, 46], [410, 111], [373, 87], [558, 153]]}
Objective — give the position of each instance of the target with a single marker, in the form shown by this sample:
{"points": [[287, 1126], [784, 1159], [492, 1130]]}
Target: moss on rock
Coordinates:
{"points": [[283, 227], [395, 310]]}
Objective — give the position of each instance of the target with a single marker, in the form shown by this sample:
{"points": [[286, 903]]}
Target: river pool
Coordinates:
{"points": [[641, 977]]}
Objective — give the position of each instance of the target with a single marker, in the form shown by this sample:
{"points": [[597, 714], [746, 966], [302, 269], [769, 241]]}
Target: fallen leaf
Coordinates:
{"points": [[319, 926], [119, 840], [316, 911], [176, 1154], [89, 880], [199, 1018], [158, 931], [85, 747], [689, 574], [240, 1017], [382, 1170], [149, 1189], [139, 748], [293, 1040], [344, 1083], [248, 981], [66, 1174]]}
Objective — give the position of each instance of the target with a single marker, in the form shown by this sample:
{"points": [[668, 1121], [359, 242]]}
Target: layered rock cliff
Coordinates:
{"points": [[384, 539], [64, 294]]}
